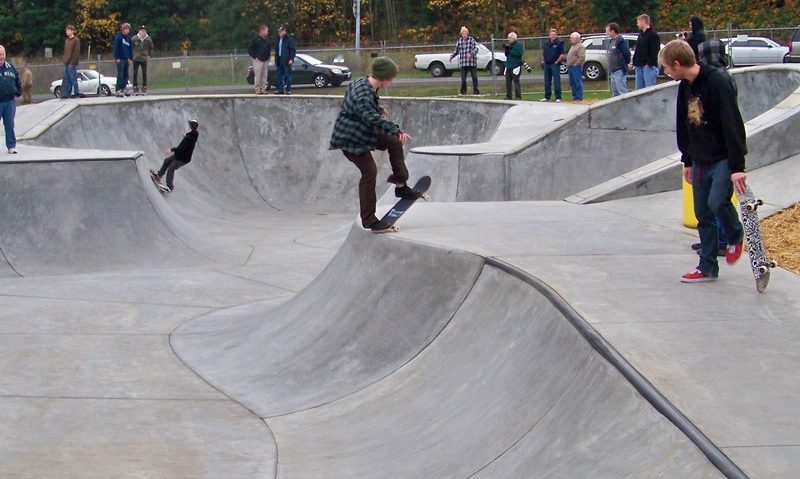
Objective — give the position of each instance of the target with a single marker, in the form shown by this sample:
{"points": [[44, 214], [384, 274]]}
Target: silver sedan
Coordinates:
{"points": [[746, 50]]}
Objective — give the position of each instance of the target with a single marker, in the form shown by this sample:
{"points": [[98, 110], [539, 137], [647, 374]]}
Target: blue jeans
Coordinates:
{"points": [[552, 76], [619, 84], [576, 82], [122, 76], [69, 82], [8, 109], [645, 76], [284, 82], [712, 189]]}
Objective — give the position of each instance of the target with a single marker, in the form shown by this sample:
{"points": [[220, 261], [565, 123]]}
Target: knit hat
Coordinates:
{"points": [[383, 68]]}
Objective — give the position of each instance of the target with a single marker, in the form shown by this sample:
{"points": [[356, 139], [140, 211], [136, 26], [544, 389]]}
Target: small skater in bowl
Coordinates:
{"points": [[180, 156]]}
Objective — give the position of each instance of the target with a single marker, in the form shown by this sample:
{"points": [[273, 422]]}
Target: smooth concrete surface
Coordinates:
{"points": [[556, 154], [266, 335]]}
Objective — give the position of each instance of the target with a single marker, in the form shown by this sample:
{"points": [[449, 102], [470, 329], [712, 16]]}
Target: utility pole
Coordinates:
{"points": [[357, 14]]}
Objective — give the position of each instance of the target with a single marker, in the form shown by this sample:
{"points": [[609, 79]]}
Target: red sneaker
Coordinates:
{"points": [[733, 253], [696, 276]]}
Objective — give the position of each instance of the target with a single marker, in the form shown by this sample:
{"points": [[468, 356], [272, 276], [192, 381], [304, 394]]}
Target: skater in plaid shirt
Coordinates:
{"points": [[467, 52], [362, 127]]}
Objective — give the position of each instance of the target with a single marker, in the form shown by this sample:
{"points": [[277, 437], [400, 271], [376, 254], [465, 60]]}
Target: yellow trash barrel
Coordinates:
{"points": [[689, 219]]}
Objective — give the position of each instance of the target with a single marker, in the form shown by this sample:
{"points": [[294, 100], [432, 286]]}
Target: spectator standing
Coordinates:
{"points": [[26, 78], [576, 57], [712, 142], [619, 56], [142, 49], [645, 58], [697, 36], [514, 52], [123, 56], [10, 89], [72, 55], [260, 50], [466, 50], [553, 55], [284, 59]]}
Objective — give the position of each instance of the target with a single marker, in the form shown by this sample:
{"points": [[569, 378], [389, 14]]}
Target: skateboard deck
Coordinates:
{"points": [[159, 185], [748, 206], [389, 220]]}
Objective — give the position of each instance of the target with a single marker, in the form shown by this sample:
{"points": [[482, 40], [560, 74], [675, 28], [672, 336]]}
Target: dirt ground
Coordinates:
{"points": [[781, 233]]}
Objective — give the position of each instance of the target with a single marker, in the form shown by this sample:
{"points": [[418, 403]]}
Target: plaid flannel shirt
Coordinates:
{"points": [[359, 121], [712, 52], [462, 48]]}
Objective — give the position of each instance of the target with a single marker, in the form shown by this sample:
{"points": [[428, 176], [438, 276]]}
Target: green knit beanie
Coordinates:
{"points": [[383, 68]]}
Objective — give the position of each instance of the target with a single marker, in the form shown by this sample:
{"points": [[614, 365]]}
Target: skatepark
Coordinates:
{"points": [[527, 322]]}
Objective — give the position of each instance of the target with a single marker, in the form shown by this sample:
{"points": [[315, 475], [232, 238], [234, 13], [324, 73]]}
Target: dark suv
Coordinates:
{"points": [[794, 46]]}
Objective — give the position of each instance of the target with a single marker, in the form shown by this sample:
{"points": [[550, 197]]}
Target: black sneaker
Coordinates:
{"points": [[406, 193]]}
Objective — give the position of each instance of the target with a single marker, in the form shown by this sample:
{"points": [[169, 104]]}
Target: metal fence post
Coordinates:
{"points": [[186, 69], [494, 69]]}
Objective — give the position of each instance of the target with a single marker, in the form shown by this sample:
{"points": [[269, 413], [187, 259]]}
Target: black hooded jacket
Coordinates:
{"points": [[183, 152], [698, 35], [709, 124]]}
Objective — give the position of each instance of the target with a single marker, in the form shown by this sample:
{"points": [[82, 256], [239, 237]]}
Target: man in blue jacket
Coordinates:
{"points": [[123, 55], [10, 89], [284, 59], [619, 56]]}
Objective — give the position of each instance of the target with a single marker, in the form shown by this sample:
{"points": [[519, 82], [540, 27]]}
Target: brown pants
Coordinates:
{"points": [[369, 173], [27, 96]]}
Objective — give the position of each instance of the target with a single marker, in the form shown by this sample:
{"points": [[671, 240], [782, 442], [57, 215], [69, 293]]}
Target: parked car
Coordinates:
{"points": [[745, 50], [596, 66], [307, 70], [794, 46], [90, 82], [439, 64]]}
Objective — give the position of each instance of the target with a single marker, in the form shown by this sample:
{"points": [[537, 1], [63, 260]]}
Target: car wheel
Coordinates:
{"points": [[562, 68], [786, 58], [593, 71], [104, 90], [57, 92], [437, 69], [320, 80], [499, 67]]}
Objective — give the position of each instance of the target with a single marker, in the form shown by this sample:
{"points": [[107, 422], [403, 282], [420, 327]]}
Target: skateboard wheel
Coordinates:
{"points": [[751, 206], [426, 197], [759, 202], [772, 264], [763, 269]]}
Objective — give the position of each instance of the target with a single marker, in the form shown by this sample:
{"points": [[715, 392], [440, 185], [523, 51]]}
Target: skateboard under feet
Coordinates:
{"points": [[161, 186], [759, 263], [388, 224]]}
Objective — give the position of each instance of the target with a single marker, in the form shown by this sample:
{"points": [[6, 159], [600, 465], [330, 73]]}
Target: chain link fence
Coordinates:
{"points": [[220, 69]]}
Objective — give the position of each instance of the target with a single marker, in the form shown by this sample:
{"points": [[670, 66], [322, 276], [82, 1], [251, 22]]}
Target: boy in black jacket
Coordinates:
{"points": [[711, 138], [181, 156], [10, 89]]}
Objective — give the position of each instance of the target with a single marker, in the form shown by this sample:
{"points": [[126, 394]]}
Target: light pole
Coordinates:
{"points": [[357, 14]]}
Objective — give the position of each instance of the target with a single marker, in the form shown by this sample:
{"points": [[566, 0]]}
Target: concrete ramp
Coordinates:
{"points": [[507, 387], [377, 304]]}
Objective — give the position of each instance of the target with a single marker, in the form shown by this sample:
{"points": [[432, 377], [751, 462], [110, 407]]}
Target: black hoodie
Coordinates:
{"points": [[698, 34], [183, 152], [709, 124]]}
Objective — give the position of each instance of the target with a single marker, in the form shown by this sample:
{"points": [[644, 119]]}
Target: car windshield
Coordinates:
{"points": [[90, 74], [309, 59]]}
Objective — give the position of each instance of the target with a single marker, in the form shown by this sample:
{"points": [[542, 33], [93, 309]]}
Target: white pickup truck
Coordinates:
{"points": [[439, 64]]}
